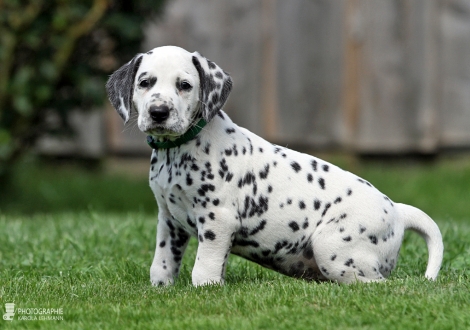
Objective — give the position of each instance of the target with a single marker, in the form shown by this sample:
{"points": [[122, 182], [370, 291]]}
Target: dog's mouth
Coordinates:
{"points": [[162, 133]]}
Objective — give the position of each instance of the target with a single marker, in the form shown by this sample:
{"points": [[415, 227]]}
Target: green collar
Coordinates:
{"points": [[189, 135]]}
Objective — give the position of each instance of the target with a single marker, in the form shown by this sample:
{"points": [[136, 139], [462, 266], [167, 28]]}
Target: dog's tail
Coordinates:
{"points": [[417, 220]]}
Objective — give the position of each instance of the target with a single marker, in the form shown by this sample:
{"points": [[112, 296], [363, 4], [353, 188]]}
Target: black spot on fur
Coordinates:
{"points": [[321, 182], [207, 148], [327, 206], [190, 223], [253, 207], [265, 252], [263, 174], [295, 166], [294, 226], [209, 234], [305, 224], [308, 252], [309, 177], [205, 188], [223, 165], [373, 239], [324, 270], [314, 165], [189, 180], [316, 204], [259, 227], [246, 243], [364, 182]]}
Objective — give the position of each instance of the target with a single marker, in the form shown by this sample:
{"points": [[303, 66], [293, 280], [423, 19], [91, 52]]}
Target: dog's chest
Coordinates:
{"points": [[168, 180]]}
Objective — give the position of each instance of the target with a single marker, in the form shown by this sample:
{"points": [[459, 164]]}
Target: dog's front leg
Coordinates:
{"points": [[171, 244], [215, 241]]}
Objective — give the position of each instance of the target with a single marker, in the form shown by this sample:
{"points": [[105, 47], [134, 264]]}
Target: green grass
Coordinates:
{"points": [[84, 242], [39, 188]]}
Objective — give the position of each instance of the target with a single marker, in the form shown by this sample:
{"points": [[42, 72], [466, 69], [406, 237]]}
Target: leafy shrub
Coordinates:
{"points": [[55, 56]]}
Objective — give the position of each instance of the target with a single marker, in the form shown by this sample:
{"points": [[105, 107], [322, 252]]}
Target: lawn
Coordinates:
{"points": [[83, 241]]}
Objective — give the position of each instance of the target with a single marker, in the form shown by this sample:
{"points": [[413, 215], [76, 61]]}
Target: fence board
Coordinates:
{"points": [[455, 74]]}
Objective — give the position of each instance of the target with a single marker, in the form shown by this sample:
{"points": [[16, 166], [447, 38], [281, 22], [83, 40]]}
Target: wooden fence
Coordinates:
{"points": [[371, 76]]}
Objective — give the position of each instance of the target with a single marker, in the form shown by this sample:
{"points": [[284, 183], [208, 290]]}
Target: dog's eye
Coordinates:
{"points": [[144, 83], [185, 86]]}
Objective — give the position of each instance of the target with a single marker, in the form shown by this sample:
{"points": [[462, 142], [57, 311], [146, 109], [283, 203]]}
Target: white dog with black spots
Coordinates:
{"points": [[237, 193]]}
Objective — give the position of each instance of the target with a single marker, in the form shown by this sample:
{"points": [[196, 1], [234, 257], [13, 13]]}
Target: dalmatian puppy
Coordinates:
{"points": [[237, 193]]}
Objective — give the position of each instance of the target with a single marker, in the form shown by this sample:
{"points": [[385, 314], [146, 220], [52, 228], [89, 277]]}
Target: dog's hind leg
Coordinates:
{"points": [[346, 264]]}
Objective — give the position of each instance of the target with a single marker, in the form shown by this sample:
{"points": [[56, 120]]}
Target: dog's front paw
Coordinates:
{"points": [[215, 281], [158, 278], [200, 279]]}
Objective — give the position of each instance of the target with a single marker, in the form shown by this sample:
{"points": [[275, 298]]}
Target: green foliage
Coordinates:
{"points": [[55, 56]]}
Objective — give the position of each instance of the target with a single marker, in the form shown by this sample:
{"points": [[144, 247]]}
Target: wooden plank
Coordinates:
{"points": [[310, 71], [399, 63], [269, 87], [422, 74], [383, 120], [455, 74], [352, 74]]}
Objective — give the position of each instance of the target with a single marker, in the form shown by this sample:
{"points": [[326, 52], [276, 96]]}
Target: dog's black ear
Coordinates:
{"points": [[120, 87], [215, 86]]}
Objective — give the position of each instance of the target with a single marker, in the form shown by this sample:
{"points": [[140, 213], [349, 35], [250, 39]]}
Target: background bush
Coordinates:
{"points": [[55, 57]]}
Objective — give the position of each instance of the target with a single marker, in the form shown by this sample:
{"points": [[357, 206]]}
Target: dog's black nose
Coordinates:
{"points": [[159, 113]]}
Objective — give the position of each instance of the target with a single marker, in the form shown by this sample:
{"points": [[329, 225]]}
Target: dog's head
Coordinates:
{"points": [[170, 88]]}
